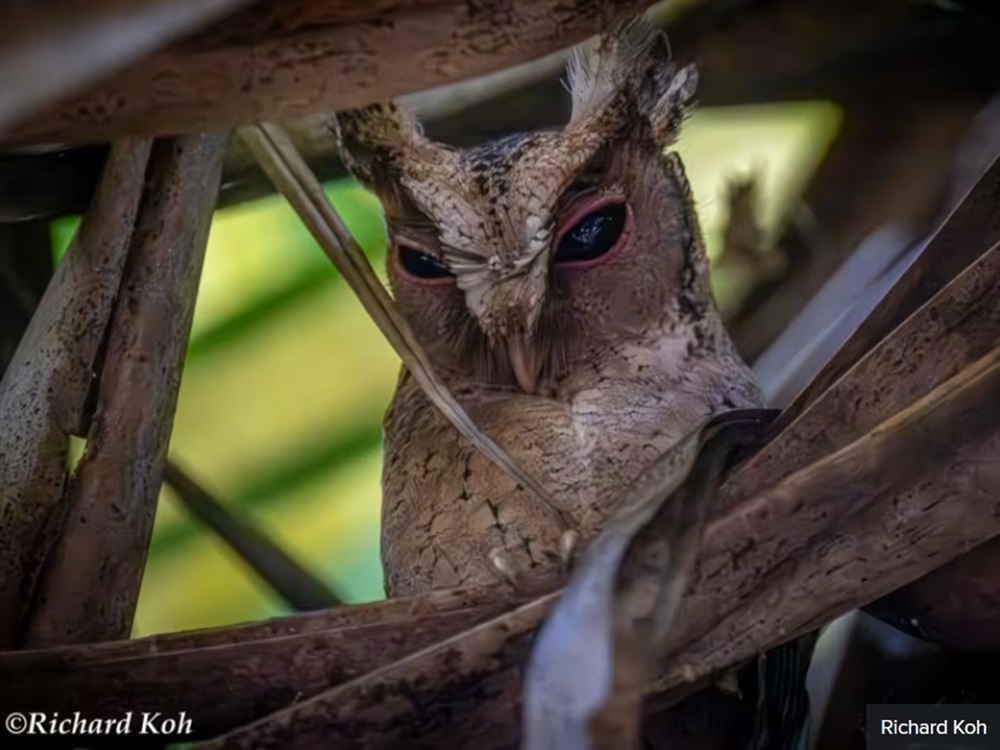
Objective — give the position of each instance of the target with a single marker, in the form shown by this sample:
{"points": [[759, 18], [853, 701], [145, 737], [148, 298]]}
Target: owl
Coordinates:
{"points": [[559, 284]]}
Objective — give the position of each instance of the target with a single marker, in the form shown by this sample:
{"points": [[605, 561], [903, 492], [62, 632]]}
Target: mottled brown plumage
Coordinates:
{"points": [[582, 367]]}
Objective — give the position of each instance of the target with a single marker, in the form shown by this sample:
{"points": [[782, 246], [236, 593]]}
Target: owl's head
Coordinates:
{"points": [[515, 259]]}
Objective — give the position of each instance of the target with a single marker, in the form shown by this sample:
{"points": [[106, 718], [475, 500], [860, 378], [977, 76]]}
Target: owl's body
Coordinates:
{"points": [[582, 371], [446, 507]]}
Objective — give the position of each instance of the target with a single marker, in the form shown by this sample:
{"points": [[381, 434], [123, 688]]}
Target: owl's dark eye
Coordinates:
{"points": [[594, 235], [422, 265]]}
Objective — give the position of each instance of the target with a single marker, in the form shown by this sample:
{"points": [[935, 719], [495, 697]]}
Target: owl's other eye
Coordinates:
{"points": [[423, 266], [594, 235]]}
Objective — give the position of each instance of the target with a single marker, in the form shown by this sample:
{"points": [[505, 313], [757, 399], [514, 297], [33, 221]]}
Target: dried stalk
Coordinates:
{"points": [[954, 328], [44, 391], [969, 231], [293, 178], [350, 617], [90, 584], [296, 585], [472, 678], [48, 52], [225, 685], [918, 490]]}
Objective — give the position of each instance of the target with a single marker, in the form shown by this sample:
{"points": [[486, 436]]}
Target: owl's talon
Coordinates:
{"points": [[567, 547], [502, 565]]}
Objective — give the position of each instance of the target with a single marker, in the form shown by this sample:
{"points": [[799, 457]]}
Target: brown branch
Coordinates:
{"points": [[51, 49], [90, 584], [935, 343], [902, 50], [845, 530], [349, 617], [229, 684], [44, 390], [294, 583], [302, 60]]}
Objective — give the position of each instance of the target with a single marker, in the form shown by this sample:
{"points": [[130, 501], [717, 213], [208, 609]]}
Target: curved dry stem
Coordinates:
{"points": [[295, 180]]}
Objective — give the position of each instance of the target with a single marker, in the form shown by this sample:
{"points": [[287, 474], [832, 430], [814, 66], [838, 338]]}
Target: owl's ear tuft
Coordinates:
{"points": [[674, 95], [375, 142], [630, 72]]}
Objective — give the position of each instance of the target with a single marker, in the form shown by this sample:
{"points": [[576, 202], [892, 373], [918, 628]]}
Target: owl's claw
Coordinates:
{"points": [[567, 548], [502, 565], [512, 570]]}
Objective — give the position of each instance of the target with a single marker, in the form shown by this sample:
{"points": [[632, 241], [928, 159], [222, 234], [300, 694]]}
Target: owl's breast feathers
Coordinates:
{"points": [[445, 506]]}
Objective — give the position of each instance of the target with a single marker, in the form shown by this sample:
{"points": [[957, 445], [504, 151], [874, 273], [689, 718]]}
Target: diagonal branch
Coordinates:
{"points": [[968, 232], [293, 178], [851, 528]]}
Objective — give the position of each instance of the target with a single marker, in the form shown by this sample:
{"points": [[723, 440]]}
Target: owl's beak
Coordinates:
{"points": [[525, 362]]}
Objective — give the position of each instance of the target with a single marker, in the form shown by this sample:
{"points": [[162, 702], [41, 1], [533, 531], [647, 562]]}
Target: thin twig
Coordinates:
{"points": [[296, 585]]}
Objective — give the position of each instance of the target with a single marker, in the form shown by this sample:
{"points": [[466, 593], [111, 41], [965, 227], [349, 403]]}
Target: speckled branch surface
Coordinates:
{"points": [[284, 60], [90, 582], [44, 391], [51, 48]]}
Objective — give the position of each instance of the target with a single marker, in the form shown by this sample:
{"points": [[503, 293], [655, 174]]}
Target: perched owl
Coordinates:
{"points": [[559, 283]]}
